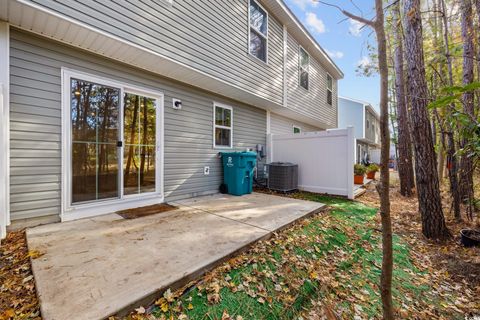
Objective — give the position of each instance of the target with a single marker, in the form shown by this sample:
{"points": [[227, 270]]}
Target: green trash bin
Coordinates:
{"points": [[238, 171]]}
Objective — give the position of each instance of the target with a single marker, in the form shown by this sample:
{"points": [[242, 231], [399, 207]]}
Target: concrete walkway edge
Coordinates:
{"points": [[106, 266], [175, 285]]}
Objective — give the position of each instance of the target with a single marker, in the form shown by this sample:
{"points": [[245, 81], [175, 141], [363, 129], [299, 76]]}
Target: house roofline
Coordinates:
{"points": [[372, 110], [39, 20], [367, 105], [302, 35]]}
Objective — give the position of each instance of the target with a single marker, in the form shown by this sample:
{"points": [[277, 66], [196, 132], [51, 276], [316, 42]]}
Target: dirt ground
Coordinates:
{"points": [[461, 264]]}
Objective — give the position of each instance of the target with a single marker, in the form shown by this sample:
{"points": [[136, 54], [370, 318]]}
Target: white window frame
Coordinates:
{"points": [[258, 32], [215, 125], [296, 127], [300, 68], [70, 211], [329, 89]]}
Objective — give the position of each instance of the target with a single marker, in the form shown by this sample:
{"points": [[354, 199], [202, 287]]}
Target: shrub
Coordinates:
{"points": [[373, 168], [359, 169]]}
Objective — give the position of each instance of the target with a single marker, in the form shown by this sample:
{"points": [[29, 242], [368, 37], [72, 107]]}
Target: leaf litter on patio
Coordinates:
{"points": [[324, 267], [17, 288]]}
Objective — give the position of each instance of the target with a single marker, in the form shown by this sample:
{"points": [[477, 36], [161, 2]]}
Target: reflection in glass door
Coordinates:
{"points": [[95, 132], [139, 131]]}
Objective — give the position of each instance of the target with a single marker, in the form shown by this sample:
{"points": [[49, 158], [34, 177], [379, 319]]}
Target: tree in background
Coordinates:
{"points": [[466, 165], [428, 188], [447, 128], [404, 143]]}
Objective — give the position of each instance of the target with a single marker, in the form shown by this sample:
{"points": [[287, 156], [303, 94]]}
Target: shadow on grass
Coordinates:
{"points": [[278, 278]]}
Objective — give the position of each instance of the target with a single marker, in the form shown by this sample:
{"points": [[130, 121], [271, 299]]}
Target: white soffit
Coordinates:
{"points": [[37, 19], [28, 16]]}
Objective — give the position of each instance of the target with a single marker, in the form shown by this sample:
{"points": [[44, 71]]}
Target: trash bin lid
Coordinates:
{"points": [[239, 154]]}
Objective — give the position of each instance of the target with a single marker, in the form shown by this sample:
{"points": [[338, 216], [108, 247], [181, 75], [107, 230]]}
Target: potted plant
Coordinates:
{"points": [[371, 170], [359, 172]]}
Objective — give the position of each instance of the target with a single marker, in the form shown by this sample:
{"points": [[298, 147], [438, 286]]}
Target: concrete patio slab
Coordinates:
{"points": [[93, 268], [269, 212]]}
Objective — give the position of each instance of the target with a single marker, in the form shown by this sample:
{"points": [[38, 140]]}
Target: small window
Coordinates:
{"points": [[258, 33], [223, 125], [296, 129], [368, 124], [304, 64], [329, 89]]}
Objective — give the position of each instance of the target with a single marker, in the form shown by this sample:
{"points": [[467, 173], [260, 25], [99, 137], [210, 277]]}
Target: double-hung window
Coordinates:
{"points": [[222, 126], [329, 89], [258, 31], [304, 66]]}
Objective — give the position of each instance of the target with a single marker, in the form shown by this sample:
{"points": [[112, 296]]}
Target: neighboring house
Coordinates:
{"points": [[108, 105], [366, 122]]}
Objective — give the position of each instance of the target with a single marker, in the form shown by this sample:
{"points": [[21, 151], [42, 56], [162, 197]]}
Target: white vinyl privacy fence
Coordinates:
{"points": [[325, 159]]}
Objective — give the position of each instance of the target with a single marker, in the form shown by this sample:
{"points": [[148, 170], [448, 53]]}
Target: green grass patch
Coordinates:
{"points": [[277, 281]]}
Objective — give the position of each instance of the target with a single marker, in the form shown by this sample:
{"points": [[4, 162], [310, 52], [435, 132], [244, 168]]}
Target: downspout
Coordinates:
{"points": [[285, 60], [4, 128]]}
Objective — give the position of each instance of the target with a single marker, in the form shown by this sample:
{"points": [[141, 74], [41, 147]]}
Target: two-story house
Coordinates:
{"points": [[113, 104], [366, 122]]}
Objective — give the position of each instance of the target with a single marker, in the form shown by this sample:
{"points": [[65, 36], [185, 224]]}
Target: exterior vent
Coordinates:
{"points": [[282, 176]]}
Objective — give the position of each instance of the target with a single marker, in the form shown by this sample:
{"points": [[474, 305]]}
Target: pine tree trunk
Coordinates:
{"points": [[477, 6], [428, 189], [405, 166], [466, 164], [438, 30], [452, 163]]}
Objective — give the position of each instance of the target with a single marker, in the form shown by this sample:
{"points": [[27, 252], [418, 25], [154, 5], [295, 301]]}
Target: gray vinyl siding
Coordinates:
{"points": [[210, 36], [35, 96], [283, 125], [311, 102], [371, 132]]}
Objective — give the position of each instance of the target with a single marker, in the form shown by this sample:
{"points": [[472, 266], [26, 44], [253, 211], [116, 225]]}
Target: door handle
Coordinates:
{"points": [[119, 144]]}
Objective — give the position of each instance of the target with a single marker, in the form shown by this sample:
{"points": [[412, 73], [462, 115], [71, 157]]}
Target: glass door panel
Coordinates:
{"points": [[95, 131], [139, 125]]}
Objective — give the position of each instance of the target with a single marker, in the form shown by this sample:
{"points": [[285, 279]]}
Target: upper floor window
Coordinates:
{"points": [[368, 124], [222, 126], [329, 89], [296, 129], [304, 63], [258, 33]]}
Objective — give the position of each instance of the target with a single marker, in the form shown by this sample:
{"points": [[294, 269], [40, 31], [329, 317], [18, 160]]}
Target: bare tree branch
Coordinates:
{"points": [[363, 20]]}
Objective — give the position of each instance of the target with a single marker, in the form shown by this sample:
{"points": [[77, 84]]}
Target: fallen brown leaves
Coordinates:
{"points": [[451, 266], [17, 288]]}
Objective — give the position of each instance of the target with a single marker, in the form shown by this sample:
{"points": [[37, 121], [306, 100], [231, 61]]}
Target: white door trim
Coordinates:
{"points": [[84, 210], [4, 128]]}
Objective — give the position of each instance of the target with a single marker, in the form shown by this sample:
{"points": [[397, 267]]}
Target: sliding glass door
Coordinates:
{"points": [[95, 132], [113, 142], [139, 131]]}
